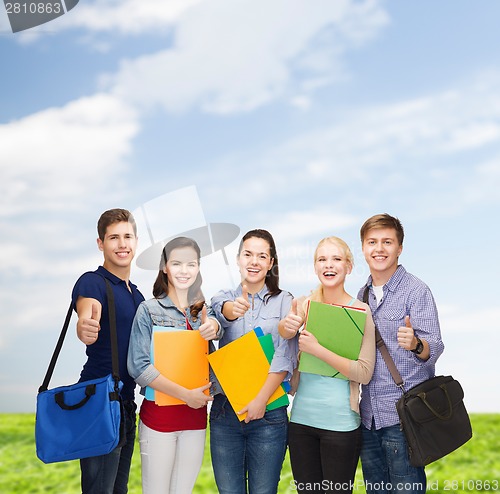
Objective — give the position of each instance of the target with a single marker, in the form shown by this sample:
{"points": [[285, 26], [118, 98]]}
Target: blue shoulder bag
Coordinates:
{"points": [[83, 419]]}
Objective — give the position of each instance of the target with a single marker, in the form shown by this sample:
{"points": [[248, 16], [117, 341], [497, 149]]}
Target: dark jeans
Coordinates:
{"points": [[386, 465], [108, 474], [255, 450], [322, 460]]}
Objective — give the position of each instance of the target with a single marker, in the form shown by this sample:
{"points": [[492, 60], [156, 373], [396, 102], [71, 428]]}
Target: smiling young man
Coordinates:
{"points": [[405, 313], [117, 241]]}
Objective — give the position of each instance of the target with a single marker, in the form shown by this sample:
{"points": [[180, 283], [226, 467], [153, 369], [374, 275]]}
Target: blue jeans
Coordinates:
{"points": [[386, 465], [238, 450], [108, 474]]}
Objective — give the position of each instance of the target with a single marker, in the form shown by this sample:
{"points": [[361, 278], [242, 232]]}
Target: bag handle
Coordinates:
{"points": [[379, 341], [89, 391], [113, 337], [447, 416]]}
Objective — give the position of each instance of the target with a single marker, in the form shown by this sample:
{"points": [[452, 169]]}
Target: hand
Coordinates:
{"points": [[406, 335], [292, 322], [307, 342], [196, 398], [88, 329], [209, 327], [255, 410], [241, 304]]}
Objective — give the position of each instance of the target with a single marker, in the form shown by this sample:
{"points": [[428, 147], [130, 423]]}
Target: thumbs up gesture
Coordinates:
{"points": [[406, 335], [292, 322], [209, 327], [241, 304], [87, 329]]}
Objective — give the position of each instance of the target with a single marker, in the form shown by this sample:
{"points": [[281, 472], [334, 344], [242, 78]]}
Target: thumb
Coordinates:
{"points": [[204, 316], [95, 312], [244, 292], [293, 310], [407, 322]]}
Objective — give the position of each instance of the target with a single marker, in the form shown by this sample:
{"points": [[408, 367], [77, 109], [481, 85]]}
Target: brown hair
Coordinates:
{"points": [[383, 221], [113, 216], [161, 285]]}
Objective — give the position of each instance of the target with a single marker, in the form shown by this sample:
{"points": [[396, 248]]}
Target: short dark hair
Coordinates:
{"points": [[113, 216], [383, 221]]}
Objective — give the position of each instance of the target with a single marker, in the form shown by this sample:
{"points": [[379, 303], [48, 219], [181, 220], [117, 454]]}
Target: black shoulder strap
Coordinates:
{"points": [[379, 341], [64, 330], [57, 350], [112, 331]]}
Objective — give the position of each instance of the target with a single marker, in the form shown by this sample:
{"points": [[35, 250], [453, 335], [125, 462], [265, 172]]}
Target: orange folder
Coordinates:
{"points": [[181, 356], [242, 368]]}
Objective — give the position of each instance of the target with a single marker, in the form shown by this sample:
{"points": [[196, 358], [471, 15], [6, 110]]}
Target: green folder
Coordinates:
{"points": [[338, 328], [266, 342]]}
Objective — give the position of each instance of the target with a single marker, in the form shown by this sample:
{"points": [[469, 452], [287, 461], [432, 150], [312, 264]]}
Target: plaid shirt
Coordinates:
{"points": [[404, 294]]}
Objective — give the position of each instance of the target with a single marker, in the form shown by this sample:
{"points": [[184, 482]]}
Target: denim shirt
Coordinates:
{"points": [[155, 312], [263, 314]]}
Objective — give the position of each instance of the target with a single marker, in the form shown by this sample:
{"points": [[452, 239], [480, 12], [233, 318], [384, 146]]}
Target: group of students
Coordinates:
{"points": [[329, 427]]}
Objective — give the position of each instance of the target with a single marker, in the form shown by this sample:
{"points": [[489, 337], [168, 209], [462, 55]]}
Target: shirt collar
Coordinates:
{"points": [[110, 276], [113, 278], [260, 294], [393, 281], [166, 302], [396, 278]]}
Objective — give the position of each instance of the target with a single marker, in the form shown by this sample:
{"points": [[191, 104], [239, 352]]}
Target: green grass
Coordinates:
{"points": [[473, 468]]}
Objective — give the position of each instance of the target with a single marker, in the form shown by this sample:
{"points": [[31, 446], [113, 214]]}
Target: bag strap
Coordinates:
{"points": [[112, 332], [64, 330], [379, 341], [57, 350]]}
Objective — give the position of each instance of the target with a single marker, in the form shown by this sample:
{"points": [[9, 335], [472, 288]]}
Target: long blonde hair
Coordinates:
{"points": [[317, 294]]}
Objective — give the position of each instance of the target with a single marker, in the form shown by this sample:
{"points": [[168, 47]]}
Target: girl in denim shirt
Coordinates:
{"points": [[171, 438], [252, 449]]}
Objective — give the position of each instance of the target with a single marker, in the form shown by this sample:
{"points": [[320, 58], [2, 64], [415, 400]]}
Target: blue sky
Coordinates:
{"points": [[302, 117]]}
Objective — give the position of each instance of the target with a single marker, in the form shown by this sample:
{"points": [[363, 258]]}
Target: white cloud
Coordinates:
{"points": [[127, 16], [457, 319], [471, 337], [57, 165], [468, 118], [51, 159], [473, 136], [234, 56], [300, 225], [447, 142], [301, 102]]}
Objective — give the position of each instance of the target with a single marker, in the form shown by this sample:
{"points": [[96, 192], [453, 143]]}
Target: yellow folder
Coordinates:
{"points": [[338, 328], [242, 368], [181, 356]]}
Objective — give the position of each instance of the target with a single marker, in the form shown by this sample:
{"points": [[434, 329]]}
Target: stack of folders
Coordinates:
{"points": [[242, 367], [338, 328]]}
